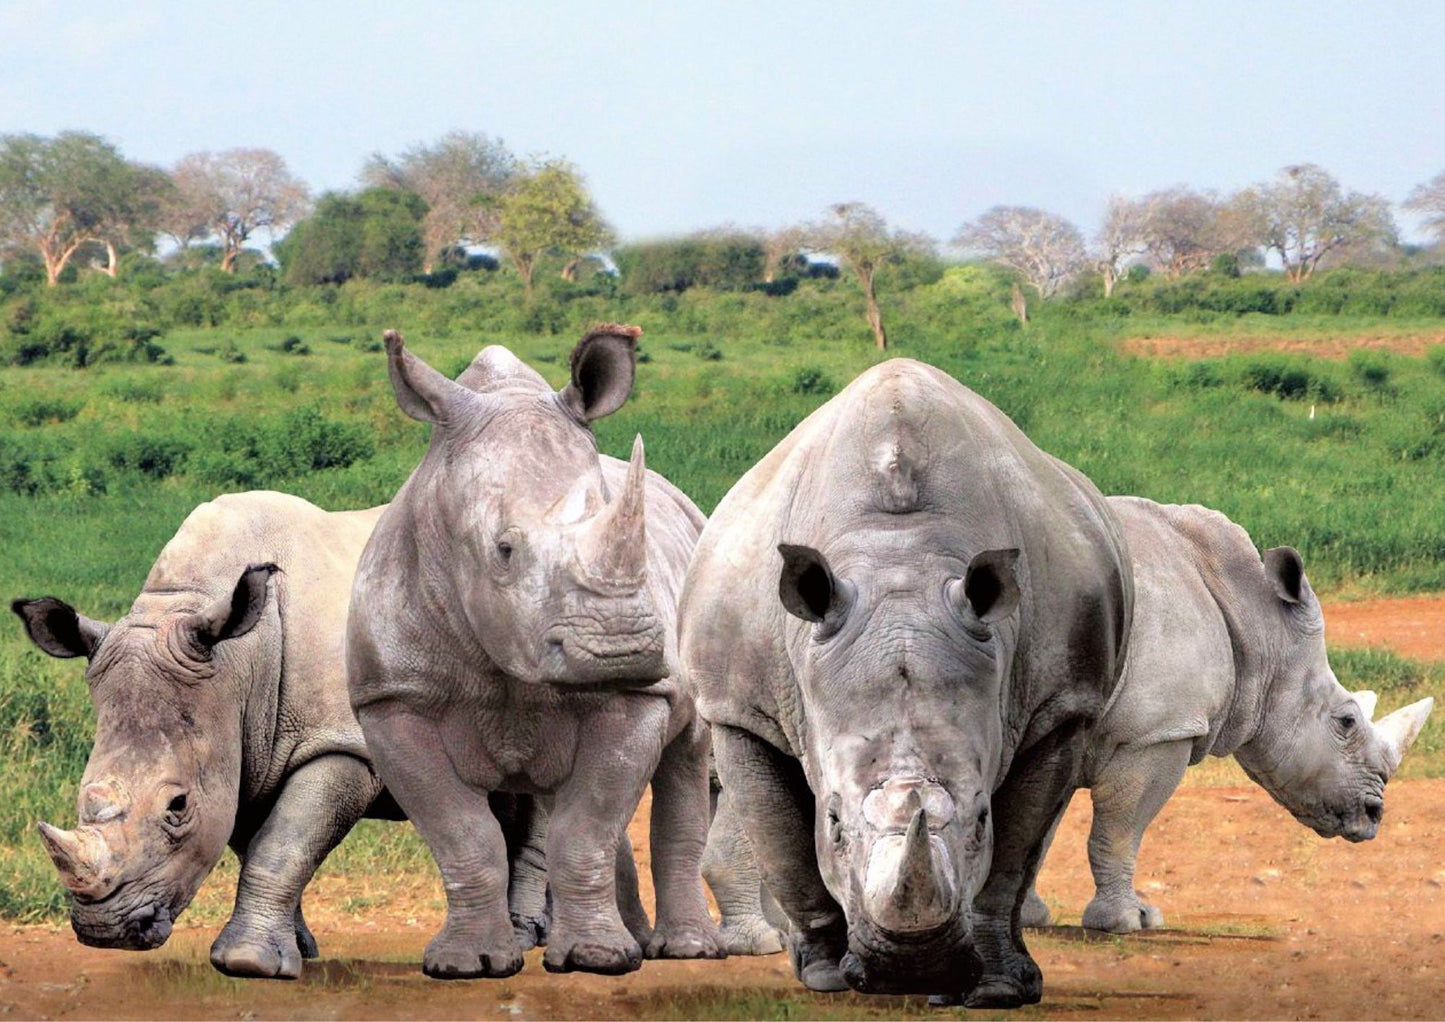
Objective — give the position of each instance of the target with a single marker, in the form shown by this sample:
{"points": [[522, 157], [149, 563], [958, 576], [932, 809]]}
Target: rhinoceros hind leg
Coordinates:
{"points": [[1034, 912], [679, 830], [305, 939]]}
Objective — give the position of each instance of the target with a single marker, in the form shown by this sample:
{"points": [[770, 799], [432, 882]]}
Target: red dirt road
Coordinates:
{"points": [[1332, 348]]}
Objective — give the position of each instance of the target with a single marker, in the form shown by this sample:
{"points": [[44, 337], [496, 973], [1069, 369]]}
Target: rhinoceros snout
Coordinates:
{"points": [[636, 656], [144, 929]]}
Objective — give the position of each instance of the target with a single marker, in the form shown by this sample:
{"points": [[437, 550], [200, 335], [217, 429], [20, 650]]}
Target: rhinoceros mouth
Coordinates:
{"points": [[878, 962], [144, 929], [578, 658]]}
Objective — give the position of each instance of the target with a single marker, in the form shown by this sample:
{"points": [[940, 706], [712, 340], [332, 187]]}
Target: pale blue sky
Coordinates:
{"points": [[687, 115]]}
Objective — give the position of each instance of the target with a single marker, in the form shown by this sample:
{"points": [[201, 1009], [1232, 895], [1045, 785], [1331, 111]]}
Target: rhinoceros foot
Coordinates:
{"points": [[252, 951], [452, 955], [699, 939], [1034, 912], [1122, 915], [590, 954], [531, 931], [750, 935], [816, 966]]}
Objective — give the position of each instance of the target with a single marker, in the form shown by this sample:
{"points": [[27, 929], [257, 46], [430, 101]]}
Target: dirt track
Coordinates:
{"points": [[1332, 348], [1266, 921]]}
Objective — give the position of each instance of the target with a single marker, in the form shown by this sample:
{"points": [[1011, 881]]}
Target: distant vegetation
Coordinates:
{"points": [[130, 398]]}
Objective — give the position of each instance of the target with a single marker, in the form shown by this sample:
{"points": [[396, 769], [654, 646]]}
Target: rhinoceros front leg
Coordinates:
{"points": [[610, 769], [683, 929], [1128, 793], [1024, 811], [465, 839], [731, 871], [266, 935], [776, 809]]}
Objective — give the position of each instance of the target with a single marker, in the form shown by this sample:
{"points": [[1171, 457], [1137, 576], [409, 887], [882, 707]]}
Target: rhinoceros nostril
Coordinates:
{"points": [[1374, 809]]}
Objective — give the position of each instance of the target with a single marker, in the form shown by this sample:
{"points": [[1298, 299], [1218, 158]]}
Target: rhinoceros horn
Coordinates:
{"points": [[906, 888], [612, 547], [1398, 730], [82, 857], [1367, 700]]}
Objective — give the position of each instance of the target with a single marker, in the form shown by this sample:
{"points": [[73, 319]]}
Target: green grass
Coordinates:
{"points": [[99, 466]]}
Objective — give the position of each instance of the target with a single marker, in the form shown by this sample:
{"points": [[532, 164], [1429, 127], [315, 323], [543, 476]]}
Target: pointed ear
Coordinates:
{"points": [[809, 589], [989, 589], [421, 391], [55, 627], [603, 367], [234, 615], [1286, 573]]}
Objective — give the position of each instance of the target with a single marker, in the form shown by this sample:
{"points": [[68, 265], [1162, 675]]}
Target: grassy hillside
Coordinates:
{"points": [[1342, 460]]}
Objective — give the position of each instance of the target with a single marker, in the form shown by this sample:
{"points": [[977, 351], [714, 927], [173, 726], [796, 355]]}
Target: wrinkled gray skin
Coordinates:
{"points": [[1227, 656], [903, 623], [512, 629], [221, 718]]}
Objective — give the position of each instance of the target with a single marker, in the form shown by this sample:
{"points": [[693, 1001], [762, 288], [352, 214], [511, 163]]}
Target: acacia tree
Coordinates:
{"points": [[859, 236], [460, 178], [128, 211], [57, 195], [239, 192], [1044, 249], [779, 246], [1120, 238], [1304, 216], [548, 209], [1429, 199]]}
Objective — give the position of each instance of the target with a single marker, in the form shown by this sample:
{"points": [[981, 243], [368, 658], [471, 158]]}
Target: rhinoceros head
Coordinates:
{"points": [[158, 798], [901, 671], [1317, 751], [551, 567]]}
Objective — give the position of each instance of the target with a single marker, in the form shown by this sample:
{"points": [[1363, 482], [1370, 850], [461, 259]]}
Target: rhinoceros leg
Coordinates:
{"points": [[1128, 793], [1034, 911], [318, 805], [775, 808], [305, 939], [731, 871], [1025, 809], [680, 817], [523, 819], [590, 812], [629, 898], [464, 837]]}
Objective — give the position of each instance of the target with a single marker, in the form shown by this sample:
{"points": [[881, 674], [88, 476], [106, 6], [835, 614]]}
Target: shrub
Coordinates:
{"points": [[812, 380], [40, 411]]}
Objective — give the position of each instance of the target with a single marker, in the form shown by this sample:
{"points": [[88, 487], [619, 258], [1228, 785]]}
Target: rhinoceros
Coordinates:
{"points": [[221, 718], [1227, 656], [902, 624], [512, 629]]}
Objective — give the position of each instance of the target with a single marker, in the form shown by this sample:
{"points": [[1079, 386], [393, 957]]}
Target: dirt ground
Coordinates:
{"points": [[1334, 348], [1265, 919]]}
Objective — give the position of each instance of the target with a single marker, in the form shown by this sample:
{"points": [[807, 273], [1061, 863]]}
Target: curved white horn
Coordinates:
{"points": [[1367, 701], [1399, 730]]}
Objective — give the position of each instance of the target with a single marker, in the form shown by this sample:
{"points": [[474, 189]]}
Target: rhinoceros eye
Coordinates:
{"points": [[1345, 724], [504, 552]]}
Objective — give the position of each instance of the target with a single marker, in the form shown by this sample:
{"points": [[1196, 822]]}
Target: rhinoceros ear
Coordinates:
{"points": [[421, 391], [989, 589], [1286, 573], [604, 364], [55, 627], [234, 615], [808, 588]]}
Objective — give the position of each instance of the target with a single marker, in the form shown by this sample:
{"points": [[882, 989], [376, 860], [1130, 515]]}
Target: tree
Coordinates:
{"points": [[376, 234], [1044, 249], [1304, 216], [861, 238], [238, 192], [779, 248], [128, 211], [1429, 199], [1119, 240], [460, 178], [58, 195], [547, 210], [1183, 230]]}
